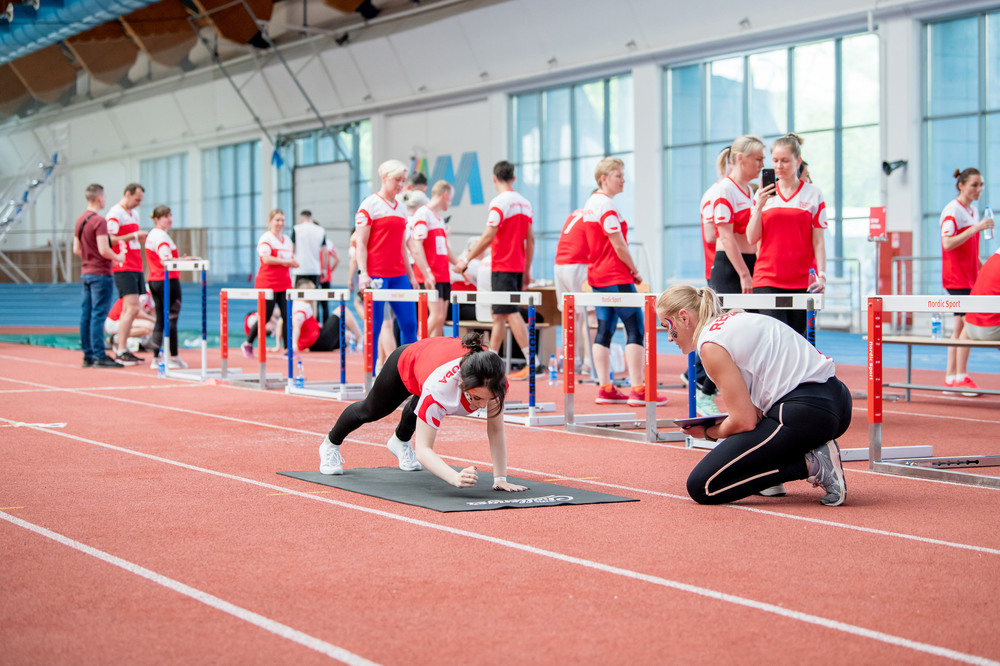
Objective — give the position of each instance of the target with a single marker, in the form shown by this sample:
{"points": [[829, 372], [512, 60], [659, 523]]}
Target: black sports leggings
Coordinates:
{"points": [[388, 392], [773, 452], [279, 300], [156, 289]]}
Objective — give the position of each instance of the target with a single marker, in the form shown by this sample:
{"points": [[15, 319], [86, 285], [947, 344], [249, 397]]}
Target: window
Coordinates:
{"points": [[558, 136], [165, 182], [232, 208], [961, 123], [826, 92]]}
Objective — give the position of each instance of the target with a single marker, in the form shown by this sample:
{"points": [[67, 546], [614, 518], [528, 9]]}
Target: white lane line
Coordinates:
{"points": [[277, 628], [807, 618]]}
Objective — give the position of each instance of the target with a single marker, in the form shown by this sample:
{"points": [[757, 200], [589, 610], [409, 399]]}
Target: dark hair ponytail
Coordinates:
{"points": [[481, 367], [964, 175]]}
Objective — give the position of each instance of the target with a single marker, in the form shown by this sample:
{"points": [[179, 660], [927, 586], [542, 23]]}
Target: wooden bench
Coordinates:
{"points": [[911, 340]]}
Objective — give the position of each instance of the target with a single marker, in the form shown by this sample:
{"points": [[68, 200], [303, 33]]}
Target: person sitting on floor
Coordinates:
{"points": [[308, 335], [142, 325]]}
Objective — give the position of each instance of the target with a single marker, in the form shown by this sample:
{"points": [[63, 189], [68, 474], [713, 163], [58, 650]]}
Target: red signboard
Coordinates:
{"points": [[876, 222]]}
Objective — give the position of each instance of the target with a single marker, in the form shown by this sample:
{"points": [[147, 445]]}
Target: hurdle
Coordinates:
{"points": [[324, 389], [514, 412], [176, 266], [419, 296], [263, 380], [619, 425], [941, 468]]}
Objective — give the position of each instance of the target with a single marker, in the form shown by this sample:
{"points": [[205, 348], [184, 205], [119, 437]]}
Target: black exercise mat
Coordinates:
{"points": [[426, 490]]}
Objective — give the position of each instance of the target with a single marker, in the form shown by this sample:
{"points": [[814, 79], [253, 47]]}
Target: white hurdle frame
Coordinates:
{"points": [[334, 390], [615, 425], [939, 469], [259, 295], [178, 266], [419, 296], [513, 412]]}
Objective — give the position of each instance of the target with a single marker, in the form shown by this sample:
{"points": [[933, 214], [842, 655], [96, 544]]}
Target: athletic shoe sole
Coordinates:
{"points": [[397, 450], [838, 470], [774, 491]]}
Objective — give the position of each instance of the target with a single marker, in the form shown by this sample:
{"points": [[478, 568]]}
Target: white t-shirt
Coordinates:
{"points": [[772, 357], [309, 239]]}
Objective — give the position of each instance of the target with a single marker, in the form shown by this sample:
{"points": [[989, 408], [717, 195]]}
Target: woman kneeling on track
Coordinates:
{"points": [[786, 406], [440, 376]]}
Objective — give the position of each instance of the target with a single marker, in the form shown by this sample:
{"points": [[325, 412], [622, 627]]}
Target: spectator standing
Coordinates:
{"points": [[432, 255], [732, 271], [125, 233], [511, 241], [92, 244], [277, 256], [570, 273], [309, 239], [160, 248]]}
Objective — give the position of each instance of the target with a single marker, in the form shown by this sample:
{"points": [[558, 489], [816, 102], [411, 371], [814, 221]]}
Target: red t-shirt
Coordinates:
{"points": [[572, 247], [272, 276], [511, 214], [959, 266], [429, 229], [122, 222], [732, 206], [600, 217], [429, 368], [89, 226], [385, 240], [786, 252], [309, 331], [987, 284], [708, 222], [159, 248]]}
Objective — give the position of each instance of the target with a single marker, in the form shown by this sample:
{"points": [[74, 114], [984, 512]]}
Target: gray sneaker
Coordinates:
{"points": [[830, 473], [404, 451], [330, 460], [773, 491]]}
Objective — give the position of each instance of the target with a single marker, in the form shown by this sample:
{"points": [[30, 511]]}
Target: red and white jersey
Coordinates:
{"points": [[601, 220], [771, 356], [146, 304], [708, 222], [511, 214], [786, 253], [731, 205], [429, 229], [387, 222], [271, 276], [122, 222], [572, 247], [987, 284], [302, 313], [960, 265], [159, 248], [429, 368]]}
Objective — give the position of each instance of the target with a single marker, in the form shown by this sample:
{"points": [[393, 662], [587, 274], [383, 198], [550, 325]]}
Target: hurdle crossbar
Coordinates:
{"points": [[515, 412], [619, 425], [941, 469], [419, 296], [335, 390], [178, 266], [245, 294]]}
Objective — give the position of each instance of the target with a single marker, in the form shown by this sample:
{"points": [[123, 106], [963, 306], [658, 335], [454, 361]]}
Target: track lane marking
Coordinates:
{"points": [[808, 618]]}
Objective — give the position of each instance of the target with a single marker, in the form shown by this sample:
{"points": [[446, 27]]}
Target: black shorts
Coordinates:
{"points": [[506, 282], [130, 282], [959, 292], [442, 288]]}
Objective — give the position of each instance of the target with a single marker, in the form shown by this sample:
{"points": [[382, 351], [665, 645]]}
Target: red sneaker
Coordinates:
{"points": [[968, 385], [610, 396], [637, 398]]}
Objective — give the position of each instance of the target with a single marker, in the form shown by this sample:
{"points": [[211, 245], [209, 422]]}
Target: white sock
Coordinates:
{"points": [[524, 350], [960, 377], [949, 378]]}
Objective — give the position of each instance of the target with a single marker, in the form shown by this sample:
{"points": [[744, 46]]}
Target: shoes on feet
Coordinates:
{"points": [[404, 451], [965, 385], [773, 491], [829, 473], [106, 362], [88, 362], [520, 375], [247, 350], [128, 358], [637, 397], [177, 363], [705, 404], [330, 460], [609, 395]]}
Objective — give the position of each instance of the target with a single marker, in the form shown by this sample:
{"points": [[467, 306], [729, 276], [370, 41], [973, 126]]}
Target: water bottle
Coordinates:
{"points": [[812, 279], [936, 328], [553, 370], [988, 233], [300, 375], [161, 363], [353, 342]]}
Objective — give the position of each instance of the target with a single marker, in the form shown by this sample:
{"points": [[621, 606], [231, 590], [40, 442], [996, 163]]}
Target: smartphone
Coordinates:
{"points": [[766, 178]]}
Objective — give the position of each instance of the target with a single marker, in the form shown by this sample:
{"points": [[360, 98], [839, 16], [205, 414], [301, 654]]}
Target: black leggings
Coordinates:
{"points": [[388, 392], [773, 452], [279, 299], [329, 336], [797, 319], [156, 288], [725, 279]]}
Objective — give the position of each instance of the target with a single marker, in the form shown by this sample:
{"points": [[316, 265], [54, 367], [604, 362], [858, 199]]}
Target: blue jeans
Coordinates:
{"points": [[406, 313], [98, 292]]}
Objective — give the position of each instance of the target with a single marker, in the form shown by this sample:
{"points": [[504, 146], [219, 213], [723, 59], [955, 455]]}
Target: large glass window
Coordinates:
{"points": [[827, 92], [961, 124], [165, 182], [558, 136], [232, 208]]}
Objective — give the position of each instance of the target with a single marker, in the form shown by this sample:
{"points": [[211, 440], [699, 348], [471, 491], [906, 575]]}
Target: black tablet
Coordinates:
{"points": [[700, 420]]}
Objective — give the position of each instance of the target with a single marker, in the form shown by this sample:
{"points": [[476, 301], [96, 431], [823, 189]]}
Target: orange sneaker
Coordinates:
{"points": [[609, 395], [965, 386], [637, 398], [520, 375]]}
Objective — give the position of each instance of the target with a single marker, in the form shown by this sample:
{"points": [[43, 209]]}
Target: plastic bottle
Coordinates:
{"points": [[812, 279], [988, 233], [936, 327], [161, 363], [300, 375], [553, 370]]}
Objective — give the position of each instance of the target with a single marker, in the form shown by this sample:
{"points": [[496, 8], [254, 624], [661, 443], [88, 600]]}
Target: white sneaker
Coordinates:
{"points": [[705, 404], [774, 491], [153, 364], [404, 451], [177, 363], [330, 460]]}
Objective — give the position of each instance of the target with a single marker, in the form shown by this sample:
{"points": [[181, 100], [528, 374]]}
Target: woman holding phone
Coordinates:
{"points": [[788, 221], [732, 270]]}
